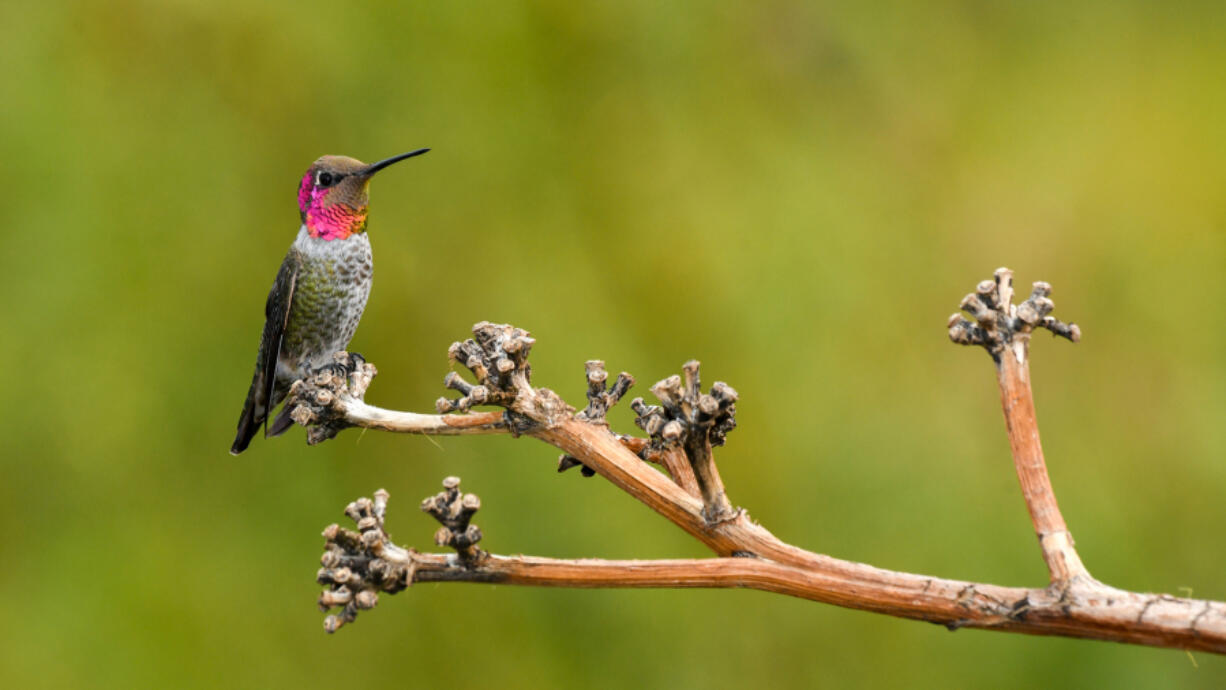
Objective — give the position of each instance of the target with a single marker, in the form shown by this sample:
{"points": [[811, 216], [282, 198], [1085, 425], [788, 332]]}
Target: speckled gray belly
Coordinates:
{"points": [[329, 297]]}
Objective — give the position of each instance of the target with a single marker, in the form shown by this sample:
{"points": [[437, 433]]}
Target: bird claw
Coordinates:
{"points": [[315, 399]]}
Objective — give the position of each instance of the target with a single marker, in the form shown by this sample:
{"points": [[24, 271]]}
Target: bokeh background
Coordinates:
{"points": [[797, 193]]}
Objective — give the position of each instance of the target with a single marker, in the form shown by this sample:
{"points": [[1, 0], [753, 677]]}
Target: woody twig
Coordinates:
{"points": [[1004, 330], [688, 425]]}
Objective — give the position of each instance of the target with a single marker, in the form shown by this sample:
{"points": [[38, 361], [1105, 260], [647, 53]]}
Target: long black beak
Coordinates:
{"points": [[376, 167]]}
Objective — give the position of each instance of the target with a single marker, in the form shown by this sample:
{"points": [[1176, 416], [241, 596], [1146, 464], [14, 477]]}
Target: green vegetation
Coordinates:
{"points": [[796, 194]]}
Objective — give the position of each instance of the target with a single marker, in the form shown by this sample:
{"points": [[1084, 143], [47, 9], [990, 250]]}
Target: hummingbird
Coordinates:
{"points": [[320, 292]]}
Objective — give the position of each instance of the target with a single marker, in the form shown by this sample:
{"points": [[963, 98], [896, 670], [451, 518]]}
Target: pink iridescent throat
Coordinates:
{"points": [[327, 222]]}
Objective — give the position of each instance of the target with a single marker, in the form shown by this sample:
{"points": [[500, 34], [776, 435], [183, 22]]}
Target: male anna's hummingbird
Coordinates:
{"points": [[318, 296]]}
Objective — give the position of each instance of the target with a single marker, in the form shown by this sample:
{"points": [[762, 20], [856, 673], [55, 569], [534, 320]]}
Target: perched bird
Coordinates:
{"points": [[318, 296]]}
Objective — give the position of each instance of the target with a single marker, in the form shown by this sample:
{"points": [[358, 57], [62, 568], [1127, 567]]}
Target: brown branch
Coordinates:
{"points": [[1004, 329], [683, 428], [1074, 605], [358, 413], [364, 564], [599, 400], [454, 511], [330, 401], [678, 465]]}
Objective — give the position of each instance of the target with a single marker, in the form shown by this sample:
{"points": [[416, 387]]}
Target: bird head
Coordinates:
{"points": [[334, 194]]}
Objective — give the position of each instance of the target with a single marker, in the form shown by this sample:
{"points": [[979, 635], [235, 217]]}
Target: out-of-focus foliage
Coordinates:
{"points": [[797, 193]]}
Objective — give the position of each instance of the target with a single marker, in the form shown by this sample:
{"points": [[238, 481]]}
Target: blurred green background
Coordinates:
{"points": [[797, 193]]}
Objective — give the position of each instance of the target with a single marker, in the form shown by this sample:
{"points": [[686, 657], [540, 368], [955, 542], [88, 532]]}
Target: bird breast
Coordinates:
{"points": [[329, 296]]}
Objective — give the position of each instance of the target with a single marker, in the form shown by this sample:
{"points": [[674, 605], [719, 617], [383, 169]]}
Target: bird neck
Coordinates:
{"points": [[328, 213], [334, 222]]}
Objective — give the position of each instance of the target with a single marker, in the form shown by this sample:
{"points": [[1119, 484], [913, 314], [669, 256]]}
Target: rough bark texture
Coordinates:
{"points": [[1096, 612], [682, 431], [1004, 330], [1056, 542]]}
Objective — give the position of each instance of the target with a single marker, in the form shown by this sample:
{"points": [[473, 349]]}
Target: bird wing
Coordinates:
{"points": [[276, 320], [260, 397]]}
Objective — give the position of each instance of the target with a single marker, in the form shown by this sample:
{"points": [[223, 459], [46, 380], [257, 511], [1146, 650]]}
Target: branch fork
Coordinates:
{"points": [[687, 418], [600, 400], [356, 566], [682, 432], [497, 356]]}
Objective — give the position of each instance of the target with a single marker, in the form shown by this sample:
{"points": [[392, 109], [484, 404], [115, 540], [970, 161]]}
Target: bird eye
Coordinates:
{"points": [[324, 179]]}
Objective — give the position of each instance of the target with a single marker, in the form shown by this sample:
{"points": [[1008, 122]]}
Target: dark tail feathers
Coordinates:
{"points": [[255, 413], [282, 423], [247, 426]]}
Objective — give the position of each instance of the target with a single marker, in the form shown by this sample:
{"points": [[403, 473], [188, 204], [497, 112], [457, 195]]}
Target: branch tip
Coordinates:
{"points": [[358, 565], [600, 398], [694, 421], [996, 323], [497, 356], [454, 511], [1004, 330]]}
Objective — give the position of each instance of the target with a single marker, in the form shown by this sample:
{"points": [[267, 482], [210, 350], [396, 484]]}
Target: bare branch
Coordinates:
{"points": [[678, 465], [599, 400], [1004, 329], [358, 565], [1109, 614], [330, 401], [497, 355], [694, 422], [454, 510]]}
